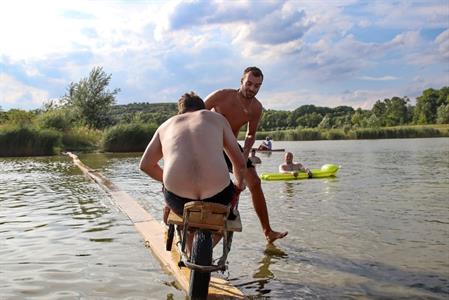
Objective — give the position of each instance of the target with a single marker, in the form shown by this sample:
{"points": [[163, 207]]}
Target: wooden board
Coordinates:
{"points": [[154, 234], [272, 150]]}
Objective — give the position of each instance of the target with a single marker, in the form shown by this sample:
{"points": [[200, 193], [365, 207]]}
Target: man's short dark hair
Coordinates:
{"points": [[190, 102], [254, 70]]}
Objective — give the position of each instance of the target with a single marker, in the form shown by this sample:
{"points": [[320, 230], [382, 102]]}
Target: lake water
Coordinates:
{"points": [[379, 230]]}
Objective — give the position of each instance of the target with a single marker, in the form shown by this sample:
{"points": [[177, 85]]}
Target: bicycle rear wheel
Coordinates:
{"points": [[201, 255]]}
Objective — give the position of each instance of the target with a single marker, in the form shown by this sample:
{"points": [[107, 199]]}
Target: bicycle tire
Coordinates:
{"points": [[201, 255], [170, 235]]}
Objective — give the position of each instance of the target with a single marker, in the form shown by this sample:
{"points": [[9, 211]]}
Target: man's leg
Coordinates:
{"points": [[260, 205]]}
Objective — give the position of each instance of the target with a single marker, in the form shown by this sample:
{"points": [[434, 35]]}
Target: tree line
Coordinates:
{"points": [[90, 103], [432, 107], [88, 113]]}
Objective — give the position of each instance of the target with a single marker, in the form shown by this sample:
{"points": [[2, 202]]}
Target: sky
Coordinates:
{"points": [[322, 52]]}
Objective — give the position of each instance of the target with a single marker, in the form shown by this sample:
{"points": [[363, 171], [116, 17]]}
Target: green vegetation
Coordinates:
{"points": [[308, 134], [154, 113], [81, 139], [128, 137], [86, 119], [89, 100], [27, 141]]}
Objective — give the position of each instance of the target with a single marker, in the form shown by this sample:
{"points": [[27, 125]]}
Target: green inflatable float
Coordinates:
{"points": [[328, 170]]}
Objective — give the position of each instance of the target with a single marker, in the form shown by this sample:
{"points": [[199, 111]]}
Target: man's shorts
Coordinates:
{"points": [[176, 203], [249, 163]]}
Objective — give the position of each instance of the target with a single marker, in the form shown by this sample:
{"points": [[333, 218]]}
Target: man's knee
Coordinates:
{"points": [[253, 181]]}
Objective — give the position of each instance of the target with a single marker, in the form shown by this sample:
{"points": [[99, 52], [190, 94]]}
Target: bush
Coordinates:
{"points": [[56, 119], [28, 141], [397, 132], [307, 134], [81, 139], [336, 134], [132, 137]]}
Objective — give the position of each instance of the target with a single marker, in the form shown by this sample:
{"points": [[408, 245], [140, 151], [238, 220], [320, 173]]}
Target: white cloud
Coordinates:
{"points": [[413, 15], [158, 49], [55, 27], [442, 41], [14, 93], [381, 78]]}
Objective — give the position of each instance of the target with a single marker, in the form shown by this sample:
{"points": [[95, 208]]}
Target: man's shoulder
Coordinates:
{"points": [[222, 94], [211, 114], [258, 103]]}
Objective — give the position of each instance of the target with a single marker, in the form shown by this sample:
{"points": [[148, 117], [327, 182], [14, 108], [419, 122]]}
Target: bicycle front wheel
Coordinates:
{"points": [[201, 255]]}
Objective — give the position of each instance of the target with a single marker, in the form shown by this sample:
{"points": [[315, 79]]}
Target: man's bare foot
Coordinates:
{"points": [[271, 236]]}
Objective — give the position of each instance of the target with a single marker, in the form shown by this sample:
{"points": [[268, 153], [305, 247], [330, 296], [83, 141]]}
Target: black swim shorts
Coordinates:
{"points": [[176, 203], [249, 163]]}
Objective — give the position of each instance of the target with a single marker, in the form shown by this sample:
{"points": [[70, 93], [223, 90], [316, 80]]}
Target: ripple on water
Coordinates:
{"points": [[63, 237], [379, 230]]}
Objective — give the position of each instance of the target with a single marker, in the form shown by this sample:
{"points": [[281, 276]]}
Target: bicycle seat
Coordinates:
{"points": [[207, 215]]}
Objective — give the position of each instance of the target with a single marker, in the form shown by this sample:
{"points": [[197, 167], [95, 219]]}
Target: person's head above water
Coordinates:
{"points": [[190, 102], [288, 157]]}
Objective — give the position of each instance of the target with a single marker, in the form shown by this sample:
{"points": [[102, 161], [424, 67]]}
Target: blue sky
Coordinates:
{"points": [[323, 52]]}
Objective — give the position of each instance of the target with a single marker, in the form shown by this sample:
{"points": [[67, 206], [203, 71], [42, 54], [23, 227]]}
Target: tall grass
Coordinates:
{"points": [[28, 141], [82, 139], [418, 131], [132, 137]]}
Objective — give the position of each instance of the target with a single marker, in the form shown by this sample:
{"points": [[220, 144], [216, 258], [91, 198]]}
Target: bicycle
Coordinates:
{"points": [[203, 220]]}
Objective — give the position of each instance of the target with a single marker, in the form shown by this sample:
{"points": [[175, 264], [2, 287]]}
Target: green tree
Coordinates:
{"points": [[443, 97], [60, 119], [396, 111], [326, 122], [274, 120], [426, 107], [379, 109], [309, 120], [373, 121], [19, 117], [90, 98], [443, 114], [360, 118]]}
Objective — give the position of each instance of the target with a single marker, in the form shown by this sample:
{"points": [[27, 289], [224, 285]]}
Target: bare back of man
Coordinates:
{"points": [[185, 152], [191, 145]]}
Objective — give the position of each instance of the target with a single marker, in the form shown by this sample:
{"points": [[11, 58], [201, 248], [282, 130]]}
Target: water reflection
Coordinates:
{"points": [[379, 230], [272, 255], [377, 273], [60, 233], [289, 189]]}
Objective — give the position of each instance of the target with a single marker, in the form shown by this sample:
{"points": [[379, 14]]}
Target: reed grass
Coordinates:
{"points": [[132, 137], [82, 139], [28, 141], [412, 131]]}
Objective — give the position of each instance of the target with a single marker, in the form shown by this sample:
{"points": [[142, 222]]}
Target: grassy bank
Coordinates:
{"points": [[33, 140], [134, 137], [28, 141], [310, 134]]}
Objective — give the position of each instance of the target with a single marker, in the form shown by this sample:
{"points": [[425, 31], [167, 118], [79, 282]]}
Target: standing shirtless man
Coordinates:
{"points": [[241, 107]]}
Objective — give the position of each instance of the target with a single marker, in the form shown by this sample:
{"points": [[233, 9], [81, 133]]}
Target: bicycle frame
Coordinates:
{"points": [[199, 215]]}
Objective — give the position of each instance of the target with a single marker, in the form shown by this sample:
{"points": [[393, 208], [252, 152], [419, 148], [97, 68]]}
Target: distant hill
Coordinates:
{"points": [[155, 113]]}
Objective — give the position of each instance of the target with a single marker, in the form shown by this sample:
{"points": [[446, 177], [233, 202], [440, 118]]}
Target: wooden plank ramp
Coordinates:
{"points": [[154, 234]]}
